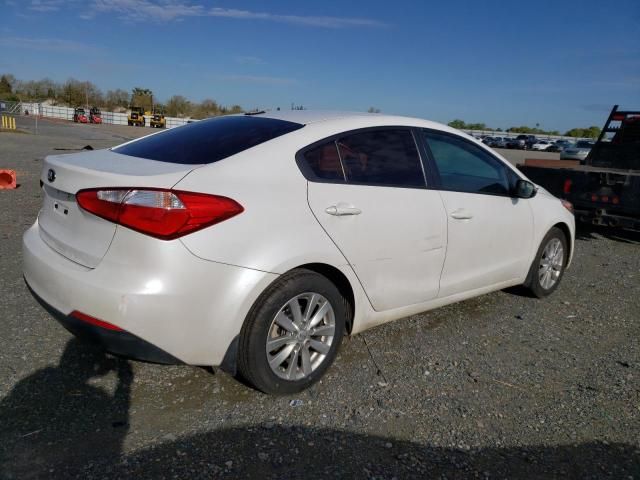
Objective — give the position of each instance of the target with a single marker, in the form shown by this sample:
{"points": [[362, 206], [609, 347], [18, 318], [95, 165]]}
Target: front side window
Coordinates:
{"points": [[381, 157], [465, 167]]}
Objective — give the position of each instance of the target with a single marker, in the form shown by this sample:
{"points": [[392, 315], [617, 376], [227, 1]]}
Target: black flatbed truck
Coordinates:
{"points": [[605, 189]]}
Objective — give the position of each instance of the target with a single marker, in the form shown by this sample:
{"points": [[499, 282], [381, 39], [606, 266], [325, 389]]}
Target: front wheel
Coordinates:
{"points": [[549, 264], [292, 334]]}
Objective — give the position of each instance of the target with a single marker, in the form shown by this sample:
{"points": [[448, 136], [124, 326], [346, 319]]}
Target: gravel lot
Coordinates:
{"points": [[502, 386]]}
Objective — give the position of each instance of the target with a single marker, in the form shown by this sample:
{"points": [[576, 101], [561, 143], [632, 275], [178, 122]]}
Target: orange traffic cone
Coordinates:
{"points": [[7, 179]]}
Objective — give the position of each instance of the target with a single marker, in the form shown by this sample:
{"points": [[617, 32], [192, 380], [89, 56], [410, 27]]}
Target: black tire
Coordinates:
{"points": [[130, 123], [533, 282], [253, 365]]}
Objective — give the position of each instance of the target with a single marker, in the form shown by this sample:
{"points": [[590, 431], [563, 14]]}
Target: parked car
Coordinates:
{"points": [[579, 151], [526, 141], [542, 145], [554, 147], [487, 140], [498, 142], [512, 143], [80, 116], [562, 144], [256, 242]]}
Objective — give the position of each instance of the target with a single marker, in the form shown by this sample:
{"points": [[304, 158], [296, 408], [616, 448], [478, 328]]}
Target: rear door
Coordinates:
{"points": [[368, 191], [490, 232]]}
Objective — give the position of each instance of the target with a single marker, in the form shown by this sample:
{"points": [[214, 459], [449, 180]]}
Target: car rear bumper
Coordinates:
{"points": [[156, 291], [118, 342]]}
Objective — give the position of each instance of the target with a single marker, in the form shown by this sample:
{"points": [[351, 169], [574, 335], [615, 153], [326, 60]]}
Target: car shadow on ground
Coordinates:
{"points": [[55, 424], [56, 415], [586, 232]]}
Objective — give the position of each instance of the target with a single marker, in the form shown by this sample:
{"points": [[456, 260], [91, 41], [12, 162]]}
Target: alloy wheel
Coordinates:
{"points": [[551, 263], [300, 336]]}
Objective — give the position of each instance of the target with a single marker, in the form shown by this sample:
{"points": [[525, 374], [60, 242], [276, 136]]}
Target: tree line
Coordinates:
{"points": [[76, 93], [589, 132]]}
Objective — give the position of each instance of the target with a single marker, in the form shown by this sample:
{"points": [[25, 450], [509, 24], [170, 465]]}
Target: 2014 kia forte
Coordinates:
{"points": [[256, 242]]}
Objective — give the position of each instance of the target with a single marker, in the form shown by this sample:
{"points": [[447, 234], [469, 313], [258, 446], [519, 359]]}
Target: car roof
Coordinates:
{"points": [[309, 117], [362, 119]]}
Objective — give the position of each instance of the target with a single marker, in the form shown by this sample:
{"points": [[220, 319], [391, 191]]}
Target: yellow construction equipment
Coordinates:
{"points": [[157, 119], [136, 117], [8, 123]]}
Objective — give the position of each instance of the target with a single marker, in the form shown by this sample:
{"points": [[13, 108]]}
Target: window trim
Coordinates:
{"points": [[433, 167], [311, 176]]}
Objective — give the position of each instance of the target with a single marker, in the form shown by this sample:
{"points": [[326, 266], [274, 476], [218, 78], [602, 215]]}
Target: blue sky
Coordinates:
{"points": [[561, 64]]}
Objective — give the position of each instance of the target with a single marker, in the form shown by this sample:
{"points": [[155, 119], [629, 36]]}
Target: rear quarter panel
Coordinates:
{"points": [[276, 231]]}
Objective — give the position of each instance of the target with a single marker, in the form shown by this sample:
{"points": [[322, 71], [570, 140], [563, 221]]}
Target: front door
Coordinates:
{"points": [[490, 232]]}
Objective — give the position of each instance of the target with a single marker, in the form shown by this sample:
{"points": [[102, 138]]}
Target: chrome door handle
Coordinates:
{"points": [[340, 210], [461, 214]]}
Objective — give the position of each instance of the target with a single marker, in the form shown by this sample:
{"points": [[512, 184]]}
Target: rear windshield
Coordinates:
{"points": [[209, 140]]}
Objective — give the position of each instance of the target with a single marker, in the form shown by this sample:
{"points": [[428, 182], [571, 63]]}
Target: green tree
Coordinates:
{"points": [[591, 132], [457, 123], [206, 108], [5, 86], [178, 106], [117, 98], [142, 97]]}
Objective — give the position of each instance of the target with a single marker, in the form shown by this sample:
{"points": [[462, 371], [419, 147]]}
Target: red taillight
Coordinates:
{"points": [[567, 186], [94, 321], [164, 214]]}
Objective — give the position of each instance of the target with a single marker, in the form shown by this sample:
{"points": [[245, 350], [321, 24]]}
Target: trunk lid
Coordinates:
{"points": [[74, 233]]}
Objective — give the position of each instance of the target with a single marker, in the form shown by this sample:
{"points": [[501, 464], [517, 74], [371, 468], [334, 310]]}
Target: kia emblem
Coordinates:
{"points": [[51, 175]]}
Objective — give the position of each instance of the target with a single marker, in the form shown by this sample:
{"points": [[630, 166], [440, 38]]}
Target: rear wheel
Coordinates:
{"points": [[548, 266], [292, 334]]}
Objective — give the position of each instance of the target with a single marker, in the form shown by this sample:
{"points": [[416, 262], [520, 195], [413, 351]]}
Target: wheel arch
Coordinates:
{"points": [[564, 228], [341, 282], [333, 274]]}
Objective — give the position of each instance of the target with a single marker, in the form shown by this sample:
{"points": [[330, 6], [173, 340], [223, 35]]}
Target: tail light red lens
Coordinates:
{"points": [[164, 214], [566, 188]]}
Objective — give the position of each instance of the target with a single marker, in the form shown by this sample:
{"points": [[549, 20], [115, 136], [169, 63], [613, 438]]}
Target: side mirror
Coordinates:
{"points": [[524, 189]]}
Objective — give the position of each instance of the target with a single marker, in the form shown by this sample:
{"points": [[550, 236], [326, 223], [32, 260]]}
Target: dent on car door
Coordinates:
{"points": [[490, 232], [367, 190]]}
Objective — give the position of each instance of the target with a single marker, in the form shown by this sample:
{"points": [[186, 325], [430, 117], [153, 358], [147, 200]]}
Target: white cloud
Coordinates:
{"points": [[47, 44], [312, 21], [145, 10], [171, 10], [249, 60], [46, 5]]}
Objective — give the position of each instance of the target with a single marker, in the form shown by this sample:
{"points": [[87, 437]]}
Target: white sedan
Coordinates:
{"points": [[579, 151], [256, 242], [541, 145]]}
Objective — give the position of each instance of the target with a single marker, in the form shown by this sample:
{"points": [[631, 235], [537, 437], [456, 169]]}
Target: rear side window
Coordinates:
{"points": [[324, 163], [209, 140], [381, 157], [465, 167]]}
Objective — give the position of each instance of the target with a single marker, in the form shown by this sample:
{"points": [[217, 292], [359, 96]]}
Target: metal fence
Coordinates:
{"points": [[117, 118], [66, 113]]}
